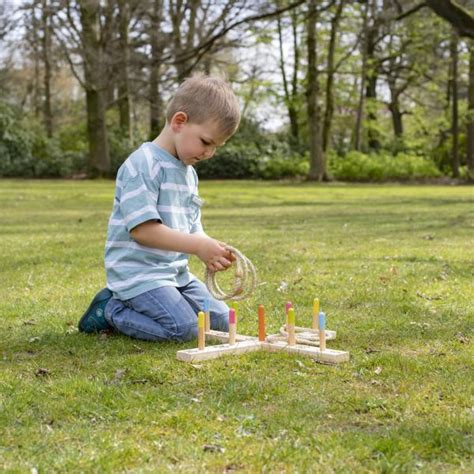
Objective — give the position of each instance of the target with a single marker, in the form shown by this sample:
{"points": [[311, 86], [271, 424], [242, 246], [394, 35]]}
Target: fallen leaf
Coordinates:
{"points": [[41, 372], [429, 298], [463, 339], [213, 448], [119, 374], [106, 333], [369, 350]]}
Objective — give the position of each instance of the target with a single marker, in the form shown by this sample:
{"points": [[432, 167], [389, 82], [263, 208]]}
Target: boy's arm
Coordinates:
{"points": [[156, 235]]}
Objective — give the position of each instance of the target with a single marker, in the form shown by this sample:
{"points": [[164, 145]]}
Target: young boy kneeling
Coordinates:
{"points": [[156, 223]]}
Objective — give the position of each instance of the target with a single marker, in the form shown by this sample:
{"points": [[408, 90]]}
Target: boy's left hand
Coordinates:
{"points": [[221, 265]]}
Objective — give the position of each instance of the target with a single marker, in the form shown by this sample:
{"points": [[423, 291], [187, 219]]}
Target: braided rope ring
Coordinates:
{"points": [[245, 279], [309, 337]]}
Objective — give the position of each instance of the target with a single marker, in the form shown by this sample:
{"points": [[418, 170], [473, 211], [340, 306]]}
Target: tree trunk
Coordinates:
{"points": [[156, 103], [295, 128], [329, 110], [371, 81], [176, 15], [99, 159], [46, 55], [292, 115], [317, 169], [36, 58], [455, 115], [397, 120], [470, 114], [123, 82], [357, 139]]}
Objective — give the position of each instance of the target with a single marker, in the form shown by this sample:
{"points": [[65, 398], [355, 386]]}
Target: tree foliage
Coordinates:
{"points": [[317, 80]]}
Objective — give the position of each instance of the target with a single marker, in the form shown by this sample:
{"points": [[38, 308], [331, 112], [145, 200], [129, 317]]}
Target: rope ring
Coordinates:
{"points": [[245, 279]]}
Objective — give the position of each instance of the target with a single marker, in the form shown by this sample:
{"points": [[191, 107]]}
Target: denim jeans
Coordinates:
{"points": [[166, 314]]}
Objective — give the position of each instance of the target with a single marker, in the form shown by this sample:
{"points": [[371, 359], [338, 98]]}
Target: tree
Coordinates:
{"points": [[331, 70], [290, 90], [454, 96], [157, 44], [317, 170], [470, 113], [123, 20], [357, 137]]}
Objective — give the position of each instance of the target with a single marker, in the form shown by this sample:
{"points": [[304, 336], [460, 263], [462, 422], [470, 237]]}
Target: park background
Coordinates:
{"points": [[348, 181], [364, 90]]}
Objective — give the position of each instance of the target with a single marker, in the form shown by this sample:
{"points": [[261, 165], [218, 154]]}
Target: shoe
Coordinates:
{"points": [[93, 320]]}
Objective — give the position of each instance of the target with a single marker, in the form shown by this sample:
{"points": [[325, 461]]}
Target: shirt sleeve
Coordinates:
{"points": [[138, 202]]}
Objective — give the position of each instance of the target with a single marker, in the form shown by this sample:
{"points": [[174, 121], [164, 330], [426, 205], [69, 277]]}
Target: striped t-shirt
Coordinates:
{"points": [[151, 185]]}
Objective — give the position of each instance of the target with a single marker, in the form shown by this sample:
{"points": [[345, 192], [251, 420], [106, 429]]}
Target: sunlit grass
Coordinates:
{"points": [[392, 266]]}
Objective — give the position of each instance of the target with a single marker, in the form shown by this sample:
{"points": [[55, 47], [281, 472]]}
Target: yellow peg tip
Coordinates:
{"points": [[201, 319], [316, 306], [291, 316]]}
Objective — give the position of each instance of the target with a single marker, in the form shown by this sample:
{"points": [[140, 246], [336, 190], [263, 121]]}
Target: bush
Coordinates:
{"points": [[26, 151], [254, 154], [15, 144], [235, 161], [356, 166]]}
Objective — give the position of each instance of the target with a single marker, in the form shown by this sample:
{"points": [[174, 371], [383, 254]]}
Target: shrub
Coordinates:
{"points": [[235, 161], [15, 144], [356, 166]]}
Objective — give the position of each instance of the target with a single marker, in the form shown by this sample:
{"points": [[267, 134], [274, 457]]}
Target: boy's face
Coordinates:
{"points": [[195, 142]]}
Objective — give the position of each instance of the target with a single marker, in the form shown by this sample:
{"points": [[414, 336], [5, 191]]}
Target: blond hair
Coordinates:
{"points": [[205, 98]]}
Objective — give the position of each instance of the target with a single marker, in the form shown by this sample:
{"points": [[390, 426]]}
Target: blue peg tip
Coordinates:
{"points": [[207, 305], [322, 321]]}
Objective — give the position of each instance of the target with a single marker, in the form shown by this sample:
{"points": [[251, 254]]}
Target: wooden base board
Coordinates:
{"points": [[220, 336], [213, 352], [330, 335], [328, 356]]}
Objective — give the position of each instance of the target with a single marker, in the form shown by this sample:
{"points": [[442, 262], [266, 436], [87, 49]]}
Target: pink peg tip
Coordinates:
{"points": [[288, 305], [231, 316]]}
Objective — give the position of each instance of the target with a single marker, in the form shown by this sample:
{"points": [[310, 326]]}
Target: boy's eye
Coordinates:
{"points": [[205, 142]]}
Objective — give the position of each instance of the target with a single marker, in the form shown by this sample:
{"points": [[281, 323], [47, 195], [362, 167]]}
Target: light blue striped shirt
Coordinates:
{"points": [[151, 185]]}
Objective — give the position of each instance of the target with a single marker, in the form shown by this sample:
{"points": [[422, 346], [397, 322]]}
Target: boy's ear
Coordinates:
{"points": [[178, 120]]}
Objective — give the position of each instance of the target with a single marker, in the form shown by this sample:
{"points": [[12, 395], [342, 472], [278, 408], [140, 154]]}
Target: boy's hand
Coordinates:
{"points": [[215, 255]]}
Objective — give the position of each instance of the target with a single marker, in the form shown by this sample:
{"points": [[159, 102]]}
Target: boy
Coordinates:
{"points": [[156, 223]]}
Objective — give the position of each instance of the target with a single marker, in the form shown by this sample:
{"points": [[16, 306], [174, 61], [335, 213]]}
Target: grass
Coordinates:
{"points": [[392, 265]]}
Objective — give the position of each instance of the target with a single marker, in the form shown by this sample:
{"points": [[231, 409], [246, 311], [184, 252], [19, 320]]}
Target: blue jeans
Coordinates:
{"points": [[166, 314]]}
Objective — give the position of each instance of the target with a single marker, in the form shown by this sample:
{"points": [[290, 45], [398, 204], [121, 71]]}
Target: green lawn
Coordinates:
{"points": [[392, 266]]}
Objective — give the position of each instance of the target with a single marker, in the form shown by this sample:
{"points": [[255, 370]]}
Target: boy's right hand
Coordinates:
{"points": [[214, 254]]}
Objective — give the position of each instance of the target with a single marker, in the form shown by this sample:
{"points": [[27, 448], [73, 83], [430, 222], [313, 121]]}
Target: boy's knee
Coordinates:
{"points": [[186, 332], [220, 322]]}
